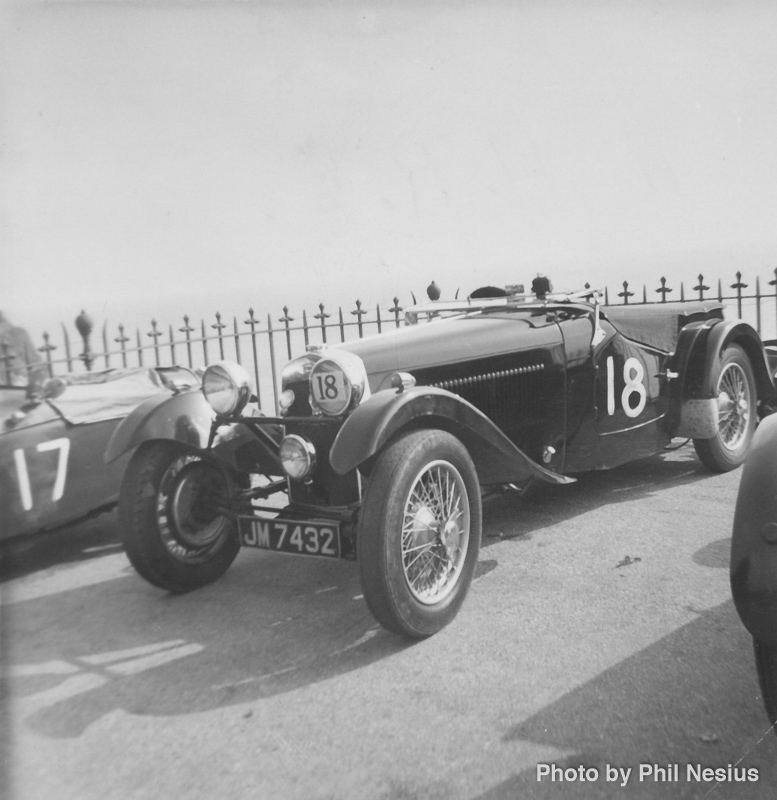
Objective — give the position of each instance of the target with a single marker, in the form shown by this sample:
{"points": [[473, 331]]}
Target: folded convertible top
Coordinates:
{"points": [[99, 396]]}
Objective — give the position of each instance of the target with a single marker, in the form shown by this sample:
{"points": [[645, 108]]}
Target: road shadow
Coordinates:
{"points": [[272, 624], [78, 541], [692, 697]]}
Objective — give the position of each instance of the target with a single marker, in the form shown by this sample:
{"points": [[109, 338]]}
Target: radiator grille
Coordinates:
{"points": [[472, 380], [514, 399]]}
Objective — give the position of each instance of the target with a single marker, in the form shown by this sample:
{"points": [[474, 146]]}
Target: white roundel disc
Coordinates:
{"points": [[330, 388]]}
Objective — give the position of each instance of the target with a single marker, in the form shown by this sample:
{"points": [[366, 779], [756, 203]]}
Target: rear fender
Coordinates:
{"points": [[754, 538], [187, 418], [376, 421], [694, 410]]}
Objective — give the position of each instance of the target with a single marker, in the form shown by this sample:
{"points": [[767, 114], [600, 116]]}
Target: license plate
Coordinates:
{"points": [[301, 537]]}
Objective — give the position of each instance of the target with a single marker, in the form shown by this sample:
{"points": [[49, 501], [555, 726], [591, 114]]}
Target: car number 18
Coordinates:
{"points": [[633, 376]]}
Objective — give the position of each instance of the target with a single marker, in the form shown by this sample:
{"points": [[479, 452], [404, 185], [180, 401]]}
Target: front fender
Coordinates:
{"points": [[386, 413], [187, 418], [754, 538]]}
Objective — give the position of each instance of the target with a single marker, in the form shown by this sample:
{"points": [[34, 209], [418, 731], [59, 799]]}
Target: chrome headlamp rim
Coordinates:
{"points": [[351, 382], [226, 387], [305, 452]]}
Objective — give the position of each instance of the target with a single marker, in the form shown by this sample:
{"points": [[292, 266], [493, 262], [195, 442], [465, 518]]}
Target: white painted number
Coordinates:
{"points": [[296, 538], [23, 475], [633, 375], [329, 387]]}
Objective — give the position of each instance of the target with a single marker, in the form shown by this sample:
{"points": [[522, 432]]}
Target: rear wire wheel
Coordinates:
{"points": [[169, 519], [419, 533], [737, 415]]}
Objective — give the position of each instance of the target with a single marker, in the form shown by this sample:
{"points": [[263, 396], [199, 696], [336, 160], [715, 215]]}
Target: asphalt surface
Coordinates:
{"points": [[599, 633]]}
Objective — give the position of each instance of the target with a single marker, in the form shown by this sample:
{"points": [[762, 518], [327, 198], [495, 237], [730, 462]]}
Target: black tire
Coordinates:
{"points": [[171, 533], [737, 413], [407, 598], [766, 665]]}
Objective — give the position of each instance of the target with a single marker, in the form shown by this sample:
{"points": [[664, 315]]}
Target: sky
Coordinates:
{"points": [[162, 158]]}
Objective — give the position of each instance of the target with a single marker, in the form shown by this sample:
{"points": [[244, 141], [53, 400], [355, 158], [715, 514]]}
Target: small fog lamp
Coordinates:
{"points": [[298, 456], [285, 401], [226, 387]]}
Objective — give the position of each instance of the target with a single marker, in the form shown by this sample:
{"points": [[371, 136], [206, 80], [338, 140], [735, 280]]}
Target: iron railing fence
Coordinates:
{"points": [[264, 344]]}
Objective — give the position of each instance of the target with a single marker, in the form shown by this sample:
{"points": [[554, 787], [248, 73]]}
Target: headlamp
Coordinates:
{"points": [[338, 383], [298, 456], [226, 387]]}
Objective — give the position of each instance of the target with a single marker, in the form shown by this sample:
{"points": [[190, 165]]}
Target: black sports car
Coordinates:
{"points": [[383, 444]]}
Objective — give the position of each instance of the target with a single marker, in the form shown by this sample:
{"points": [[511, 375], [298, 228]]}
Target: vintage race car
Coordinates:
{"points": [[384, 444], [754, 557], [52, 437]]}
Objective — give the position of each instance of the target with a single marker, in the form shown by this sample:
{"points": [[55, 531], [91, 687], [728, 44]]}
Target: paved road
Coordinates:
{"points": [[599, 631]]}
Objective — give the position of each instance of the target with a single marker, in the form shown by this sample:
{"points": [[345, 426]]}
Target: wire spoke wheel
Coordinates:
{"points": [[734, 404], [435, 532], [736, 413], [419, 532]]}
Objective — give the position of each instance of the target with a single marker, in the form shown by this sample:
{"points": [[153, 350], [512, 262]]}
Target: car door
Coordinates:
{"points": [[628, 403]]}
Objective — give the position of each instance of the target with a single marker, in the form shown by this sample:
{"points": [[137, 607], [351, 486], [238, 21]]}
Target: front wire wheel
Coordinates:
{"points": [[737, 418], [419, 533], [173, 532]]}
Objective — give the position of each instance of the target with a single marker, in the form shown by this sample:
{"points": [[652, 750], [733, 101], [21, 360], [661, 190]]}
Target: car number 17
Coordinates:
{"points": [[23, 475]]}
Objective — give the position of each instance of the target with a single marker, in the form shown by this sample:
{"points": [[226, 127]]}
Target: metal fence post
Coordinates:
{"points": [[172, 344], [253, 322], [218, 327], [286, 319], [739, 286], [396, 309], [46, 350], [106, 354], [204, 342], [322, 315], [237, 340], [359, 313], [121, 339], [272, 363], [663, 291], [155, 334], [187, 331]]}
